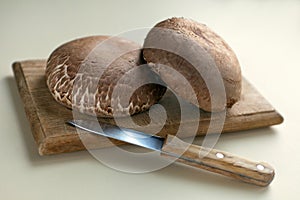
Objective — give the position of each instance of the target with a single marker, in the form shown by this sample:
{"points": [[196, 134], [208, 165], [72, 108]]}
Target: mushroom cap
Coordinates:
{"points": [[103, 76], [201, 56]]}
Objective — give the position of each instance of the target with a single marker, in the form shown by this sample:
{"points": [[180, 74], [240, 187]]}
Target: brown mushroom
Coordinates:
{"points": [[95, 74], [201, 56]]}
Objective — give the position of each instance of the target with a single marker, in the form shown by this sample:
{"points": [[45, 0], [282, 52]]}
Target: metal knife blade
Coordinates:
{"points": [[123, 134]]}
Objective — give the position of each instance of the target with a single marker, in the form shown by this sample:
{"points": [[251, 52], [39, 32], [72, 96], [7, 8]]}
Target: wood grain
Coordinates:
{"points": [[216, 161], [47, 118]]}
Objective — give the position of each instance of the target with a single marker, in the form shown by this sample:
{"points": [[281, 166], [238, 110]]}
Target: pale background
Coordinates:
{"points": [[264, 35]]}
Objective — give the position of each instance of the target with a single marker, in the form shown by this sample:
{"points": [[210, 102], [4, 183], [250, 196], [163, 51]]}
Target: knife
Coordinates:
{"points": [[216, 161]]}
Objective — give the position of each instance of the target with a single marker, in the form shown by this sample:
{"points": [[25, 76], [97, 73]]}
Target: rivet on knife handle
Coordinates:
{"points": [[220, 162]]}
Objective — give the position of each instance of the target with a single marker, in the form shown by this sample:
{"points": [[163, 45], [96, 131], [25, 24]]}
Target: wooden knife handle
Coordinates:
{"points": [[257, 173]]}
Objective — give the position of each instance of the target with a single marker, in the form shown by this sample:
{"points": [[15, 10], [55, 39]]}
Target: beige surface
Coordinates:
{"points": [[265, 36]]}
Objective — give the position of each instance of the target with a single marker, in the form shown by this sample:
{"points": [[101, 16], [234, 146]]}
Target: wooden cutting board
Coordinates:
{"points": [[47, 118]]}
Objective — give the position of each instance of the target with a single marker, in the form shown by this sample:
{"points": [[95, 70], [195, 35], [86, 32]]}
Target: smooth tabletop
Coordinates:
{"points": [[263, 34]]}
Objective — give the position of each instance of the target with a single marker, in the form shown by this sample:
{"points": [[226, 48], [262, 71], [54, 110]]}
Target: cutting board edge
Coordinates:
{"points": [[30, 109], [56, 145]]}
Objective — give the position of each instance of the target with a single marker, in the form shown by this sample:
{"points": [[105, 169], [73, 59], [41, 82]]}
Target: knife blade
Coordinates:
{"points": [[216, 161]]}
